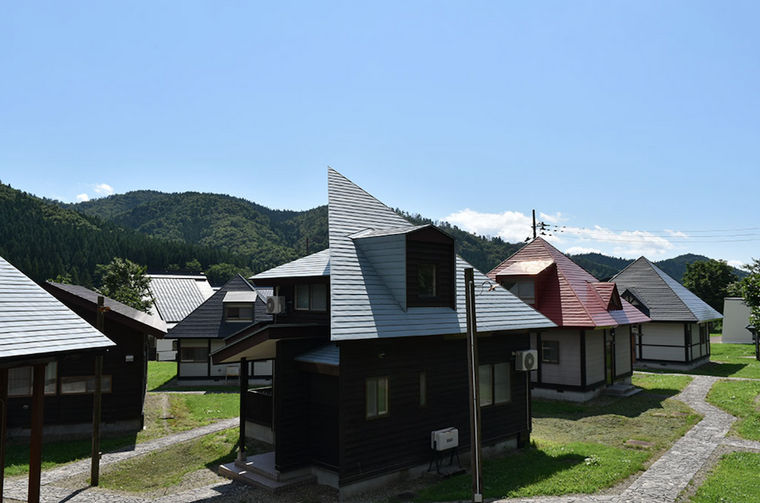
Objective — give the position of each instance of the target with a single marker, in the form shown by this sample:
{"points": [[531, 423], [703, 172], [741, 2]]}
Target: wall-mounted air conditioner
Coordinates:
{"points": [[526, 360], [275, 305], [447, 438]]}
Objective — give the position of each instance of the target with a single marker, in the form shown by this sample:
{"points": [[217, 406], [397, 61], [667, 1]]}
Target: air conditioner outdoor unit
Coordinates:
{"points": [[526, 360], [447, 438], [275, 305]]}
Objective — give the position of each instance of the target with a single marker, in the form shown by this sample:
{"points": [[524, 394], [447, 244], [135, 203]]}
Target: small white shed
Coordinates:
{"points": [[735, 321]]}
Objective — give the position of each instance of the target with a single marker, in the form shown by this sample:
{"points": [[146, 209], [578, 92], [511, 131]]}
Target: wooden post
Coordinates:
{"points": [[3, 425], [35, 441], [243, 400], [472, 368], [97, 402]]}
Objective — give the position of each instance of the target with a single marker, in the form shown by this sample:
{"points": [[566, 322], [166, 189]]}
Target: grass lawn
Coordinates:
{"points": [[160, 373], [168, 467], [662, 384], [733, 480], [165, 413], [544, 469], [581, 448], [739, 398], [730, 360]]}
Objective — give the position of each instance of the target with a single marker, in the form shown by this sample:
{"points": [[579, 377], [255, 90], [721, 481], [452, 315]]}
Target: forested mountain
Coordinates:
{"points": [[45, 238]]}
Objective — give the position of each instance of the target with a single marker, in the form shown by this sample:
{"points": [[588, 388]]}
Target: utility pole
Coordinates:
{"points": [[97, 401], [472, 368], [534, 224]]}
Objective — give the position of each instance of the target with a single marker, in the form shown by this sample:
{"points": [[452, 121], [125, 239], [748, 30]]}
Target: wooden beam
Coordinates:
{"points": [[97, 401], [3, 425], [243, 401], [473, 370], [35, 441]]}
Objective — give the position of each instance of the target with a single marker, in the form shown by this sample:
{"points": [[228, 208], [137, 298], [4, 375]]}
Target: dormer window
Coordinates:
{"points": [[238, 306], [238, 312], [311, 297], [426, 284], [524, 289]]}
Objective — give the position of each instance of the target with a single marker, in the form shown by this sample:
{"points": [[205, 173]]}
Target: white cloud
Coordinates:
{"points": [[514, 226], [103, 189], [82, 197], [737, 263]]}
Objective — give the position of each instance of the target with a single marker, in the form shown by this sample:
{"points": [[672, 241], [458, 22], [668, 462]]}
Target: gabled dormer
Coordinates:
{"points": [[416, 264], [239, 306], [609, 295], [521, 278]]}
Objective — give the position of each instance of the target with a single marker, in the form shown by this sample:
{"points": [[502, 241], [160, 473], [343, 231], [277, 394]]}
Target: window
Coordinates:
{"points": [[523, 288], [423, 389], [495, 384], [311, 297], [238, 312], [376, 397], [51, 378], [84, 384], [549, 351], [193, 354], [20, 381], [426, 286]]}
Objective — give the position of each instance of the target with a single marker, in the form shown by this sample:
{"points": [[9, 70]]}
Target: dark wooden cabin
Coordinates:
{"points": [[69, 381], [362, 379], [36, 330]]}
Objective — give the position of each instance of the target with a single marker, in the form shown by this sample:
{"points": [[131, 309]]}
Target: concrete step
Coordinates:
{"points": [[255, 478], [621, 390]]}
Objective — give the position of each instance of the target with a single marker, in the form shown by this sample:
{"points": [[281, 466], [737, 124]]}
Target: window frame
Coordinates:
{"points": [[420, 267], [544, 359], [310, 296], [376, 382], [238, 306], [491, 384], [105, 388], [183, 348]]}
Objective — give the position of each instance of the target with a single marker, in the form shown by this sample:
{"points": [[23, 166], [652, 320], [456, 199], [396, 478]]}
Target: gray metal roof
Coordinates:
{"points": [[325, 355], [249, 296], [151, 324], [34, 323], [207, 321], [177, 295], [316, 264], [363, 306], [666, 298]]}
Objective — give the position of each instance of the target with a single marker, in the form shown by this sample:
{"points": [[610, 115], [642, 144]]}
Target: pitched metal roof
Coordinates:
{"points": [[34, 323], [207, 320], [177, 295], [244, 296], [361, 304], [666, 298], [316, 264], [567, 294], [144, 322], [328, 354], [526, 268]]}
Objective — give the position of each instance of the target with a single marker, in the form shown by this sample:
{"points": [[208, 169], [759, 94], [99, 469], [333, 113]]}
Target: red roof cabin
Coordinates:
{"points": [[591, 348]]}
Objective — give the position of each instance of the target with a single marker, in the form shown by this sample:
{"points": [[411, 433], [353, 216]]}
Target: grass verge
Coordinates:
{"points": [[160, 373], [734, 479], [165, 414], [727, 360], [168, 467], [739, 398], [660, 383], [544, 469]]}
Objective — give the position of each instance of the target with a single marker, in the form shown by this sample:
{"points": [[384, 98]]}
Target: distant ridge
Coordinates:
{"points": [[45, 238]]}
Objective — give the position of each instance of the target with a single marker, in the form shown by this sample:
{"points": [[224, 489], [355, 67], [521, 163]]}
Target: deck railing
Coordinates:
{"points": [[258, 407]]}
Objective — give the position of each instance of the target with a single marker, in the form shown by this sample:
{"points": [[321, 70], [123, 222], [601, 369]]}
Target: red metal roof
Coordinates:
{"points": [[567, 294]]}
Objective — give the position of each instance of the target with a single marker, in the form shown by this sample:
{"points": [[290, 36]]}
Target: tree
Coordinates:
{"points": [[709, 280], [193, 266], [749, 288], [219, 274], [125, 281]]}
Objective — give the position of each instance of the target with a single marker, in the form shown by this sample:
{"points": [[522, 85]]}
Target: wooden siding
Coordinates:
{"points": [[440, 254], [293, 431], [594, 356], [123, 403], [623, 350], [370, 447], [568, 370]]}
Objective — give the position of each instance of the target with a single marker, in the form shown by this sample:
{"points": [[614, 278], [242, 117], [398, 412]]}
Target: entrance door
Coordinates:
{"points": [[609, 355]]}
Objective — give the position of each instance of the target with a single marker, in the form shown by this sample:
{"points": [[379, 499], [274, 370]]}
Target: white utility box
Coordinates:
{"points": [[441, 440]]}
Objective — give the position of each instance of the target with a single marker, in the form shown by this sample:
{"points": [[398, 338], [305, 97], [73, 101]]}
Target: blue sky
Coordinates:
{"points": [[634, 124]]}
